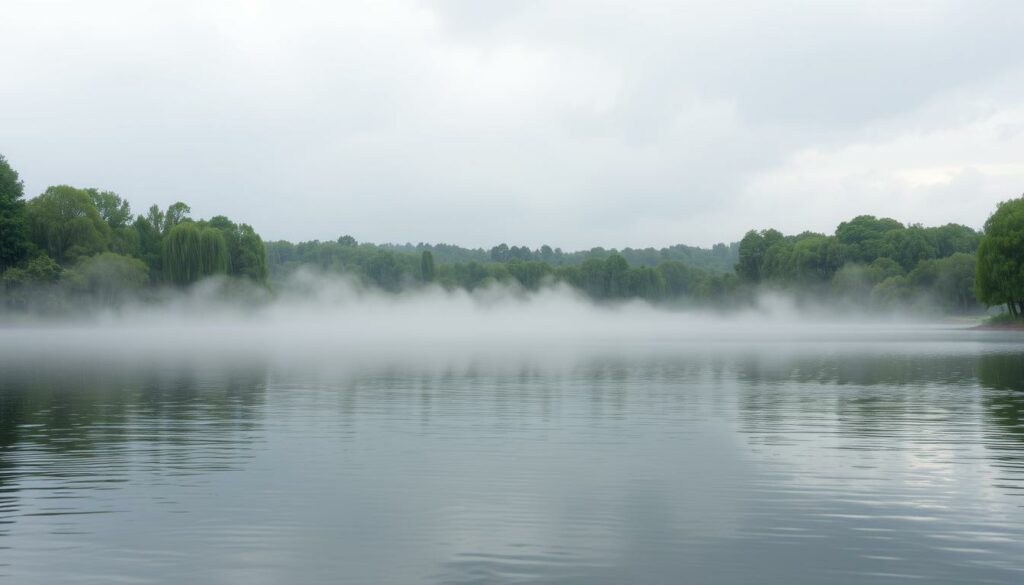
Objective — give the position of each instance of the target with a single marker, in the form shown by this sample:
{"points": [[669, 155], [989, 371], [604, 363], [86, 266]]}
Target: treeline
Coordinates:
{"points": [[718, 258], [868, 261], [389, 265], [603, 275], [70, 245]]}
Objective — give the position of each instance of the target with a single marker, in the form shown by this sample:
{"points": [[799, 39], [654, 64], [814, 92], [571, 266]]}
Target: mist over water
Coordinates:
{"points": [[316, 317], [332, 433]]}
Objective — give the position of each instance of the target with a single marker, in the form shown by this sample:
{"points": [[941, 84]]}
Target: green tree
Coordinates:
{"points": [[192, 252], [427, 270], [64, 222], [114, 210], [646, 283], [38, 270], [468, 275], [948, 281], [856, 282], [182, 260], [14, 236], [175, 214], [384, 270], [1000, 271], [246, 254], [753, 251], [150, 248], [953, 238], [617, 282], [864, 237], [23, 284], [499, 253], [910, 246], [591, 278], [110, 277], [117, 213], [213, 252], [955, 282], [155, 217], [680, 280], [530, 273], [815, 259], [893, 291]]}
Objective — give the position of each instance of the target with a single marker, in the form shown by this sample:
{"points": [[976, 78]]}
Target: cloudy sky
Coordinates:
{"points": [[572, 123]]}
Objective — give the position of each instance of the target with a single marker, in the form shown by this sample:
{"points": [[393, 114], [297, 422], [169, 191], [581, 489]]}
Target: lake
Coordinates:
{"points": [[888, 458]]}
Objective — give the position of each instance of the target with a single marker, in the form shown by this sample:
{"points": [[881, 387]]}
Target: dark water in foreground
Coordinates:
{"points": [[802, 462]]}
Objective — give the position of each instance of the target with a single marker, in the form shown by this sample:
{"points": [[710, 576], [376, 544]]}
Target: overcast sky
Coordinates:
{"points": [[572, 123]]}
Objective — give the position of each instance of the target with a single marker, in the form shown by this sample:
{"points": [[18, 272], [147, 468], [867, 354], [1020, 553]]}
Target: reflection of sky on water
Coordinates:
{"points": [[799, 464]]}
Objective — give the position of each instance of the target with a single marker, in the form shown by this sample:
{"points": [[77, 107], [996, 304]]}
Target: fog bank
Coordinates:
{"points": [[327, 319]]}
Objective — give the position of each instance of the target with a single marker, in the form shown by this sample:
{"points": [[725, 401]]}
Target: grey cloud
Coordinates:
{"points": [[572, 123]]}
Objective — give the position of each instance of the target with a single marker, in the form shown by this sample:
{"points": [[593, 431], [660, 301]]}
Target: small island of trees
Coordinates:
{"points": [[71, 247]]}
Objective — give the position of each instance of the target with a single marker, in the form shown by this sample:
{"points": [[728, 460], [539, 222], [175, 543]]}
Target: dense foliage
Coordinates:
{"points": [[69, 241], [13, 224], [868, 261], [719, 258], [600, 274], [1000, 277], [84, 246]]}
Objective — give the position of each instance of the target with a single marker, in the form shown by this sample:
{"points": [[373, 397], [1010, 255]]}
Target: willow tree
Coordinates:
{"points": [[246, 254], [1000, 270], [181, 254], [213, 252], [191, 252]]}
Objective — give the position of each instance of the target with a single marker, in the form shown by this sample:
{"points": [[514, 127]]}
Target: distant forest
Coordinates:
{"points": [[652, 274], [867, 262], [70, 248]]}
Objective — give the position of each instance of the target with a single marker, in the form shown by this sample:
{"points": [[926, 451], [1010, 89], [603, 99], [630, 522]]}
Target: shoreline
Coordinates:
{"points": [[1011, 326]]}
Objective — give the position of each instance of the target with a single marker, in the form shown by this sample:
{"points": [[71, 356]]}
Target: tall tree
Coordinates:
{"points": [[192, 252], [246, 253], [124, 238], [499, 253], [114, 210], [213, 252], [150, 246], [182, 261], [175, 214], [427, 266], [617, 276], [64, 222], [1000, 270], [753, 251], [14, 237], [155, 217]]}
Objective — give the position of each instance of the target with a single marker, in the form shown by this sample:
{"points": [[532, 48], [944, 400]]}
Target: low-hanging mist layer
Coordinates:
{"points": [[327, 319]]}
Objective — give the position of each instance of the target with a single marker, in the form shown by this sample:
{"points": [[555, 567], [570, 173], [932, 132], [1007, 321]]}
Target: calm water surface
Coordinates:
{"points": [[798, 462]]}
